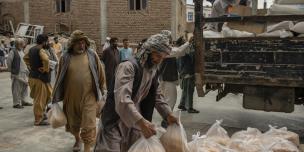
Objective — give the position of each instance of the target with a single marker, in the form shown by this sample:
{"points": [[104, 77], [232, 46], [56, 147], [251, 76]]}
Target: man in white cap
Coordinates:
{"points": [[19, 75]]}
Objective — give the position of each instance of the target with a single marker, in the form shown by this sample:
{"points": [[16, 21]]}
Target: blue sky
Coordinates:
{"points": [[260, 2]]}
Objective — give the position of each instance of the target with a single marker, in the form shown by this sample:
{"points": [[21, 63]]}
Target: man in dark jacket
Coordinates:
{"points": [[187, 64], [128, 112], [38, 64], [111, 59]]}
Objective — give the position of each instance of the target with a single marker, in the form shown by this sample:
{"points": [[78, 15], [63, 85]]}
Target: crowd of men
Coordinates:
{"points": [[129, 83]]}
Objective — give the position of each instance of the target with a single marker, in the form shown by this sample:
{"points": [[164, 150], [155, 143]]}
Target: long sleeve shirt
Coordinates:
{"points": [[128, 109], [178, 52]]}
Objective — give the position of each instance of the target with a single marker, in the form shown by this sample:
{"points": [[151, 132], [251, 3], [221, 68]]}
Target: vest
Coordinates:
{"points": [[36, 63], [187, 64], [109, 115], [15, 69], [168, 70]]}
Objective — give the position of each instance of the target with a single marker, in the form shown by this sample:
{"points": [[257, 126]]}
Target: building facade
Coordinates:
{"points": [[132, 19]]}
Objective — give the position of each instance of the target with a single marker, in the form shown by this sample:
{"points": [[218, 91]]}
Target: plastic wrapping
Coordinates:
{"points": [[289, 2], [278, 33], [56, 117], [147, 145], [212, 34], [175, 139], [284, 134], [218, 134], [277, 9], [203, 144], [277, 144], [298, 28], [227, 32], [285, 25]]}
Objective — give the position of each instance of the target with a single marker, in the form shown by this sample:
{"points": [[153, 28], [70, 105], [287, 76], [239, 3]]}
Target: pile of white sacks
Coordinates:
{"points": [[287, 7], [283, 30], [250, 140], [217, 140]]}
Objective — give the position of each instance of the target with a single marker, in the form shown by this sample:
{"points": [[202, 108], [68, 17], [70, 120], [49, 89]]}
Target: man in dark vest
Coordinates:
{"points": [[129, 107], [19, 75], [111, 59], [38, 64], [169, 73], [187, 71]]}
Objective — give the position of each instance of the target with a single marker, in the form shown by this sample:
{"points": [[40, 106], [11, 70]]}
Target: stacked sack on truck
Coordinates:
{"points": [[250, 140], [284, 29], [287, 7]]}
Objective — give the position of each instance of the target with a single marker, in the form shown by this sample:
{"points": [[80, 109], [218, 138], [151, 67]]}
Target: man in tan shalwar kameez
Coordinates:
{"points": [[129, 107], [79, 84], [37, 61]]}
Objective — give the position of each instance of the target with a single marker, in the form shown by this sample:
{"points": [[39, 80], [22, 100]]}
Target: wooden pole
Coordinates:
{"points": [[199, 48]]}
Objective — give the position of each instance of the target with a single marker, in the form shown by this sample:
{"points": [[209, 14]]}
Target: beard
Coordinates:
{"points": [[149, 63]]}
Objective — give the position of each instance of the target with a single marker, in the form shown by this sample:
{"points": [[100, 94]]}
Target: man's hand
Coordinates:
{"points": [[147, 128], [171, 119], [41, 70]]}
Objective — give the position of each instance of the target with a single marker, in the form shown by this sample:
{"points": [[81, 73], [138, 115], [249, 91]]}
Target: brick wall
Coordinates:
{"points": [[42, 12], [137, 25], [121, 22], [86, 17], [181, 18], [13, 9]]}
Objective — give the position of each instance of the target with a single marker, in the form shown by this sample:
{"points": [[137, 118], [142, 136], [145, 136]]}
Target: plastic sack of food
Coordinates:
{"points": [[283, 133], [212, 34], [253, 144], [289, 2], [278, 9], [196, 143], [285, 25], [227, 32], [278, 33], [151, 144], [218, 134], [175, 139], [298, 28], [202, 144], [278, 144], [246, 134], [56, 117]]}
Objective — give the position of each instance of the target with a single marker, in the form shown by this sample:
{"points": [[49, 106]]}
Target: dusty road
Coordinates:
{"points": [[17, 133]]}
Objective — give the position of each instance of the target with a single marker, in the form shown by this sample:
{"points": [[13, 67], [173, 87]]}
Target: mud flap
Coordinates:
{"points": [[277, 99]]}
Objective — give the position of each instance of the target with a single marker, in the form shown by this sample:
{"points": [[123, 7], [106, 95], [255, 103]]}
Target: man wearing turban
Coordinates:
{"points": [[129, 107], [80, 84]]}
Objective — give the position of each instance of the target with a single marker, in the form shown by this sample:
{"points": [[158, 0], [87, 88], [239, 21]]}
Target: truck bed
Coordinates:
{"points": [[255, 61]]}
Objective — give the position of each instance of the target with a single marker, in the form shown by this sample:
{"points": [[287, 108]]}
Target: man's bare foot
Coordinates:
{"points": [[77, 146]]}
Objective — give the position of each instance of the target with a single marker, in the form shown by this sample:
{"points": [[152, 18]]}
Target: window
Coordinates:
{"points": [[190, 16], [63, 6], [137, 4]]}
